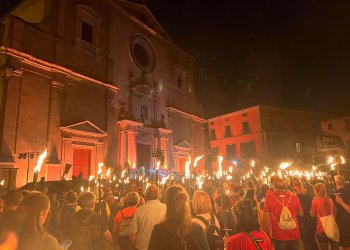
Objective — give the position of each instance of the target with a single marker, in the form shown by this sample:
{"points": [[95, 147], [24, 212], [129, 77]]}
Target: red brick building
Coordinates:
{"points": [[339, 126], [336, 139], [267, 135], [94, 81]]}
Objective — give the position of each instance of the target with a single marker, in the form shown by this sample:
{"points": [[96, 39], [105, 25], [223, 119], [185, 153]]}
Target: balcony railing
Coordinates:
{"points": [[88, 47], [245, 131]]}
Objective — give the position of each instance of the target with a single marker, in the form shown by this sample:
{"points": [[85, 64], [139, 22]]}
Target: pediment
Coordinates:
{"points": [[184, 144], [85, 127], [144, 15]]}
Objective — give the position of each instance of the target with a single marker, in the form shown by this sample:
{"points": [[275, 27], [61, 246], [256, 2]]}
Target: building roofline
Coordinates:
{"points": [[260, 107], [52, 67], [199, 119], [337, 117], [166, 40]]}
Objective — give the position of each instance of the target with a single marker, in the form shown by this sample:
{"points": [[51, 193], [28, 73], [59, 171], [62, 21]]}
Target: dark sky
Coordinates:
{"points": [[289, 53]]}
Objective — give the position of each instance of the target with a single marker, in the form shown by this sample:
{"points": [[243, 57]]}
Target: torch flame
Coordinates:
{"points": [[123, 173], [158, 165], [165, 179], [2, 183], [108, 172], [196, 160], [252, 163], [284, 165], [40, 161], [330, 160], [220, 159], [200, 181], [100, 165], [342, 160], [187, 168]]}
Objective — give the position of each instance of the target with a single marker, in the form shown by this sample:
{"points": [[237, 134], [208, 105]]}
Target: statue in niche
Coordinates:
{"points": [[162, 120], [131, 81], [123, 113], [145, 77]]}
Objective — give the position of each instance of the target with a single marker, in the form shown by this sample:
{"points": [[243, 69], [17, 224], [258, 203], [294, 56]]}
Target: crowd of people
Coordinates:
{"points": [[287, 214]]}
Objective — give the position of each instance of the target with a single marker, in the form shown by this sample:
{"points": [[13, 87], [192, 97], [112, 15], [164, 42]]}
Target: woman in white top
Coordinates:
{"points": [[202, 208]]}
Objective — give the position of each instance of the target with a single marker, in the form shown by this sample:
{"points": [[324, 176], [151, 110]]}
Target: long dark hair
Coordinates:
{"points": [[178, 215], [246, 217], [30, 209]]}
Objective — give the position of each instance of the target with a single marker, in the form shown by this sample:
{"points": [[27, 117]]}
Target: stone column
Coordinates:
{"points": [[155, 148], [11, 94], [164, 148], [123, 149], [132, 149], [54, 139], [126, 149], [171, 155], [111, 129]]}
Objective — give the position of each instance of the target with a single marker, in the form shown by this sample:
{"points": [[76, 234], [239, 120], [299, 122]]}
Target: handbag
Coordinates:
{"points": [[329, 224]]}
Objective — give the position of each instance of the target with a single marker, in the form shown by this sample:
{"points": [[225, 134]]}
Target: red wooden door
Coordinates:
{"points": [[81, 162], [182, 164]]}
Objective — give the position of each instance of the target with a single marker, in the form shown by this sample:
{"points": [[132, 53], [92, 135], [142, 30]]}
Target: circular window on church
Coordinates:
{"points": [[142, 53]]}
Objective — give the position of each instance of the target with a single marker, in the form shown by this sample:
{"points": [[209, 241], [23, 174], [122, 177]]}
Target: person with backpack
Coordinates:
{"points": [[123, 219], [223, 211], [249, 235], [86, 229], [205, 217], [70, 207], [325, 212], [177, 231], [283, 207]]}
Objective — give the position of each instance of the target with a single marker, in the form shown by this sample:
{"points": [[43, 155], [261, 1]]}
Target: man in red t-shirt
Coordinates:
{"points": [[283, 239]]}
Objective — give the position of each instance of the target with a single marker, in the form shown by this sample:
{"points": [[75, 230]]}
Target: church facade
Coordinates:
{"points": [[95, 81]]}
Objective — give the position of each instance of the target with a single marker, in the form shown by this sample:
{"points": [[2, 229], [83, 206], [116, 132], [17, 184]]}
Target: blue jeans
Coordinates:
{"points": [[323, 241]]}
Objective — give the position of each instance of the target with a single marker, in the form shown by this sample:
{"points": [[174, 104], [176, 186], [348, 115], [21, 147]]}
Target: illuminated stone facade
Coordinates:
{"points": [[95, 81]]}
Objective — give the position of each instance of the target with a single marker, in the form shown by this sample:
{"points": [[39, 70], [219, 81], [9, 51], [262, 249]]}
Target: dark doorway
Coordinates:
{"points": [[143, 156]]}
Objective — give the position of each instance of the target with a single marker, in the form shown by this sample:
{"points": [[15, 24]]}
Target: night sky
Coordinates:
{"points": [[290, 53]]}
